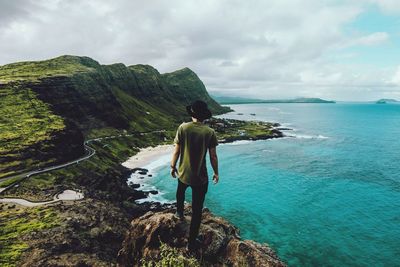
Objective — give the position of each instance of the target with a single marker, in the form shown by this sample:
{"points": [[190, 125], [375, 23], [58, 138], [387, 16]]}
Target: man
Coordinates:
{"points": [[192, 141]]}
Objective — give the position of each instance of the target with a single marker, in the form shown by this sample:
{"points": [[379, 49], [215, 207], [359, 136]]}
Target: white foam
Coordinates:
{"points": [[158, 162], [267, 150], [145, 186], [155, 198], [145, 182], [238, 143], [305, 136]]}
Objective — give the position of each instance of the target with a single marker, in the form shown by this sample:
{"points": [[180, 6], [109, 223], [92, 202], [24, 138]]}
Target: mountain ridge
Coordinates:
{"points": [[90, 98]]}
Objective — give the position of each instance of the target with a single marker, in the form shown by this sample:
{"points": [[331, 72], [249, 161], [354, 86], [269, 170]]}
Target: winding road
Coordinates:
{"points": [[67, 194], [90, 152]]}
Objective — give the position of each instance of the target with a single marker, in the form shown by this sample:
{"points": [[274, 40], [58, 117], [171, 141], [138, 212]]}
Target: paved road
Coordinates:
{"points": [[90, 152], [65, 195]]}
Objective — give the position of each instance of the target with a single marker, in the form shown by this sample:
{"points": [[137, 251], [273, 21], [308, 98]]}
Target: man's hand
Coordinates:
{"points": [[173, 172], [215, 178], [214, 163], [175, 156]]}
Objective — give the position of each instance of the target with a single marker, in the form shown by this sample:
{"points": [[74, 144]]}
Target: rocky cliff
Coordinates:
{"points": [[70, 97], [151, 233]]}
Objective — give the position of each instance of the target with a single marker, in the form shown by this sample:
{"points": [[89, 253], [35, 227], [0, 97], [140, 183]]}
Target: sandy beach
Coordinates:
{"points": [[147, 155], [149, 158]]}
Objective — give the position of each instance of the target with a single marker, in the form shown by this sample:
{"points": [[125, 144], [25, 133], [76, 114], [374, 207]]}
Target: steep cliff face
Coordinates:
{"points": [[187, 87], [79, 94], [31, 134], [221, 245]]}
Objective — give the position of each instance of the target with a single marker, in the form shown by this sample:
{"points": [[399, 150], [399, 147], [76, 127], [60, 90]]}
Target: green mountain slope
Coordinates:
{"points": [[48, 107]]}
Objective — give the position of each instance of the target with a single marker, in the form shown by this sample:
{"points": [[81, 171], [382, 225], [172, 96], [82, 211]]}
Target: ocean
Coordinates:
{"points": [[326, 195]]}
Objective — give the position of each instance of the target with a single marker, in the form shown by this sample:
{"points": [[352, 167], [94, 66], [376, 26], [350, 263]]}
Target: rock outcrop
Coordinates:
{"points": [[221, 242]]}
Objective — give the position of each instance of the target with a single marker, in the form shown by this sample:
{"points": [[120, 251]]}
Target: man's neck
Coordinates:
{"points": [[196, 120]]}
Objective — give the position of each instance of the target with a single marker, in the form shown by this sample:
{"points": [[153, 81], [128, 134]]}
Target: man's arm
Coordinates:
{"points": [[175, 157], [214, 163]]}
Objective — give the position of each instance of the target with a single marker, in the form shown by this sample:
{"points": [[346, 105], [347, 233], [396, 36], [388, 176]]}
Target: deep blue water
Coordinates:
{"points": [[328, 197]]}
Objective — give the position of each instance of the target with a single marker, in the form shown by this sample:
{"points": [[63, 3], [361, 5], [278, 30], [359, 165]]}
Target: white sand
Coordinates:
{"points": [[147, 155]]}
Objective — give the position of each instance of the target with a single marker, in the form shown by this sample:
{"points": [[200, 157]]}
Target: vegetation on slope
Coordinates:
{"points": [[36, 70], [71, 94], [25, 121], [229, 130], [187, 87], [15, 224], [102, 176]]}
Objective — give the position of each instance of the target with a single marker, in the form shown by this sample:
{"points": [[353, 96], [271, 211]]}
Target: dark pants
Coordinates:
{"points": [[198, 196]]}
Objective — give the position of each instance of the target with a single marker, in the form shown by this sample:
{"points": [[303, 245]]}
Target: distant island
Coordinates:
{"points": [[386, 100], [242, 100]]}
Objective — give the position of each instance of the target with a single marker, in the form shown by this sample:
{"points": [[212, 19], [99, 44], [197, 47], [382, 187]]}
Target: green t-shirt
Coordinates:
{"points": [[194, 138]]}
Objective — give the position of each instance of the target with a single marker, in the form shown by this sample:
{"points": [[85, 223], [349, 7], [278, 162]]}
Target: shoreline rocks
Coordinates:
{"points": [[274, 134]]}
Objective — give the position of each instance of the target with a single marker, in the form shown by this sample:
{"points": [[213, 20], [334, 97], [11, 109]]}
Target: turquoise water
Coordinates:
{"points": [[329, 196]]}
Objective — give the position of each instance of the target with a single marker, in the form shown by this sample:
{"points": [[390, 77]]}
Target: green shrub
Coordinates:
{"points": [[170, 257]]}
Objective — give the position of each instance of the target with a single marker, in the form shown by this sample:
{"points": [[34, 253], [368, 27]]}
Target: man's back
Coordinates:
{"points": [[194, 138]]}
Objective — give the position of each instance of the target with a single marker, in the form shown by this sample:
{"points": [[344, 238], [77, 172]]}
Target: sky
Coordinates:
{"points": [[272, 49]]}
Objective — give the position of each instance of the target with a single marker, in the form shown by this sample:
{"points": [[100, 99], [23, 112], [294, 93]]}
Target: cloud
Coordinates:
{"points": [[388, 6], [261, 48], [396, 77], [375, 38], [11, 10]]}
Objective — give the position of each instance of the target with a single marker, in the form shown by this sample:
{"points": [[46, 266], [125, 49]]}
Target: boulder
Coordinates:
{"points": [[221, 243], [134, 170], [134, 186]]}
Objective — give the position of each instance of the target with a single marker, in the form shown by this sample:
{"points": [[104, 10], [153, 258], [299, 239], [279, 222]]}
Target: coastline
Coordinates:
{"points": [[144, 165], [147, 155], [148, 160]]}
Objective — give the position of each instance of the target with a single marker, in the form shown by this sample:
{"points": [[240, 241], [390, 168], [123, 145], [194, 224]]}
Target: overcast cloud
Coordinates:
{"points": [[266, 49]]}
